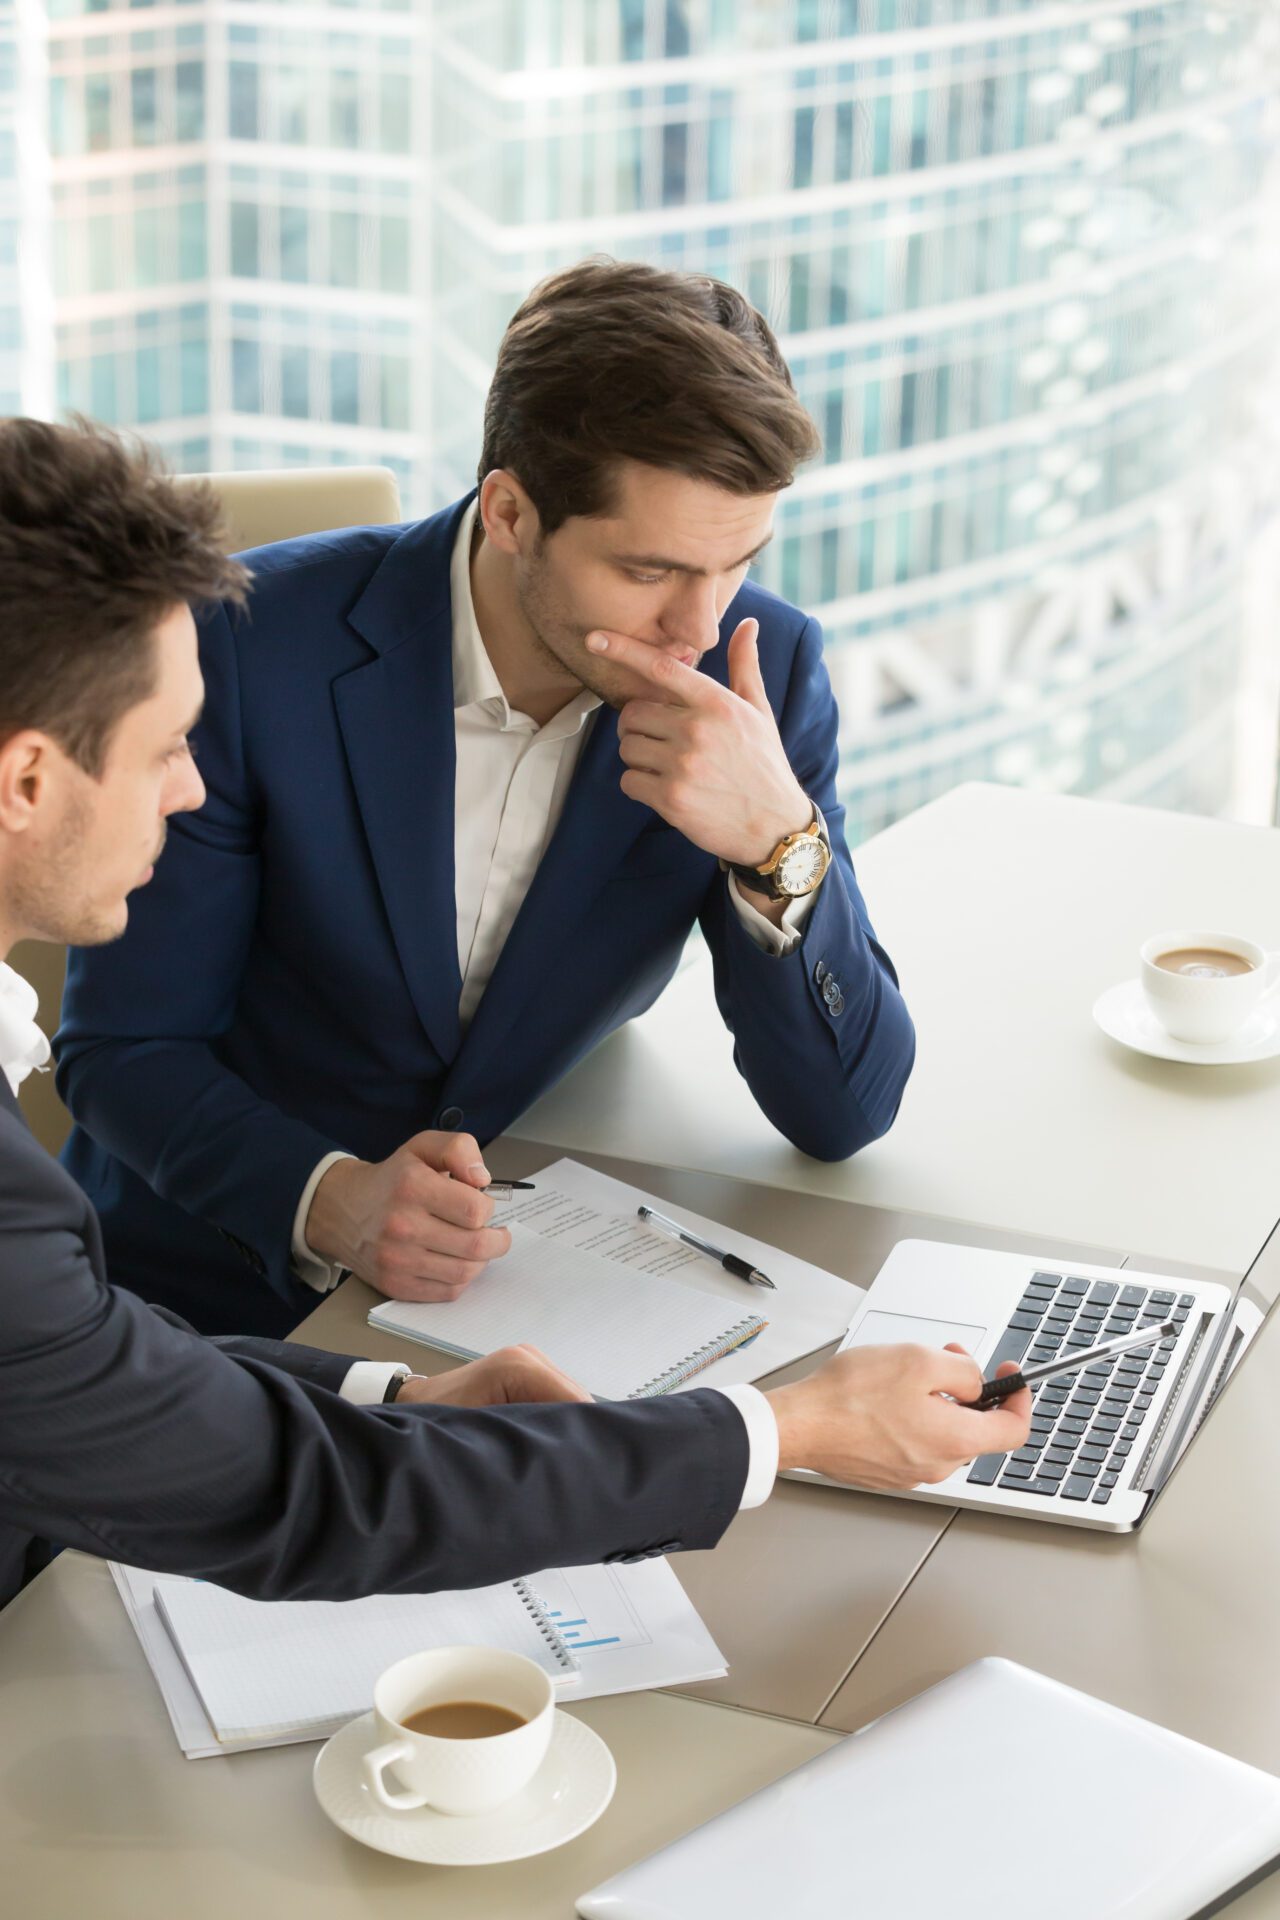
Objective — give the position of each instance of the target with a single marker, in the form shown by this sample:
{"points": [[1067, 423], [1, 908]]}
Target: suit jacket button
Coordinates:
{"points": [[831, 989], [820, 973], [451, 1119], [836, 1006]]}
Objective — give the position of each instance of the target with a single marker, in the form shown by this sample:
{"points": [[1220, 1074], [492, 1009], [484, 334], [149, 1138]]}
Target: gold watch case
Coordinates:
{"points": [[799, 863]]}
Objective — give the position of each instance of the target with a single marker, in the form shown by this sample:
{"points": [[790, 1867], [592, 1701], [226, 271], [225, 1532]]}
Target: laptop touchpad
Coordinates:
{"points": [[883, 1329]]}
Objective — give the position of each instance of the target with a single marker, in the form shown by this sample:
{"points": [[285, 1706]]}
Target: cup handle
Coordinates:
{"points": [[373, 1767]]}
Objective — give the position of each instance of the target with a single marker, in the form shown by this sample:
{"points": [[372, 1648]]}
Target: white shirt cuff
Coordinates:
{"points": [[367, 1381], [782, 939], [311, 1268], [762, 1442]]}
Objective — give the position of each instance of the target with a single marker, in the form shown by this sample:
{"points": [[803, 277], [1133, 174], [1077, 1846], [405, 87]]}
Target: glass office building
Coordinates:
{"points": [[239, 212], [1021, 255]]}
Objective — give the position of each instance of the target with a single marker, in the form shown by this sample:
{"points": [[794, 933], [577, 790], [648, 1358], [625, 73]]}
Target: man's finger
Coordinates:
{"points": [[675, 681], [463, 1160], [656, 719], [745, 678]]}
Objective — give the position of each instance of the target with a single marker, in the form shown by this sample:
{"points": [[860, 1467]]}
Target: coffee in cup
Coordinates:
{"points": [[1203, 987], [461, 1728]]}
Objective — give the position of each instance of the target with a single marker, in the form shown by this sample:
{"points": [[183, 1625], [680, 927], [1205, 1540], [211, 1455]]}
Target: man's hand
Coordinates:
{"points": [[876, 1417], [511, 1376], [414, 1225], [708, 758]]}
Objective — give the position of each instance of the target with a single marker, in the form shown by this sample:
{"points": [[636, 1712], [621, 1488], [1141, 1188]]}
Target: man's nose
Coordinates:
{"points": [[693, 620], [186, 792]]}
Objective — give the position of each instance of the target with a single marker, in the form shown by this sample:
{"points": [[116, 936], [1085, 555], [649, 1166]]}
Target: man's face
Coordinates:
{"points": [[94, 841], [662, 565]]}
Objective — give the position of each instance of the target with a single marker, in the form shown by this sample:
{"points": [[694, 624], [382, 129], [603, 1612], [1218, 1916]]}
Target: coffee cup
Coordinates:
{"points": [[468, 1774], [1202, 987]]}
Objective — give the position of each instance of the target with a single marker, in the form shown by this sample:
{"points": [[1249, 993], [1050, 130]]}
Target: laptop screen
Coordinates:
{"points": [[1229, 1341]]}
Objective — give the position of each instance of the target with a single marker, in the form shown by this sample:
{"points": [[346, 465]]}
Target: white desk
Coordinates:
{"points": [[1006, 914]]}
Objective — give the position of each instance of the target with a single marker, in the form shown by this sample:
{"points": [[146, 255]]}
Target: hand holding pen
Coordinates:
{"points": [[731, 1262]]}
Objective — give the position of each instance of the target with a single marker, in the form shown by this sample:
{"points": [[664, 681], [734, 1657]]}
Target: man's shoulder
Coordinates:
{"points": [[779, 620], [37, 1194]]}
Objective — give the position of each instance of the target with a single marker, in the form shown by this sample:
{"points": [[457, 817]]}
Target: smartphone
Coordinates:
{"points": [[994, 1391]]}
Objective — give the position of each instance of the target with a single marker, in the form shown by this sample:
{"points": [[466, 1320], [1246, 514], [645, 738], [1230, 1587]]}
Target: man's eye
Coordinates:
{"points": [[647, 579]]}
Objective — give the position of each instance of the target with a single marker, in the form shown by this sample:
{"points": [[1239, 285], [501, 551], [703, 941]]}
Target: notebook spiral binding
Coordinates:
{"points": [[528, 1598], [683, 1370]]}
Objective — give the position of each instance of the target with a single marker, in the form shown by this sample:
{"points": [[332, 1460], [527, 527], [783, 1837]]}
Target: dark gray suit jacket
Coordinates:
{"points": [[126, 1434]]}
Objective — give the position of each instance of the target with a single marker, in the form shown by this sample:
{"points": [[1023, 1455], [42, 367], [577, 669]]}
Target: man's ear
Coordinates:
{"points": [[26, 773], [509, 516]]}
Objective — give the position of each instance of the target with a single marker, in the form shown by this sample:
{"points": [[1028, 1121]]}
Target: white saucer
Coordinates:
{"points": [[1122, 1012], [570, 1790]]}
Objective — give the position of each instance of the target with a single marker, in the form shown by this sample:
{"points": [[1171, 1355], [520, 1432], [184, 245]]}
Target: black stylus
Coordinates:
{"points": [[994, 1391]]}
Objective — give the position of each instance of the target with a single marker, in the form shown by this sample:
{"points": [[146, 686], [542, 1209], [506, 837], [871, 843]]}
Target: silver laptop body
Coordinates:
{"points": [[1104, 1441]]}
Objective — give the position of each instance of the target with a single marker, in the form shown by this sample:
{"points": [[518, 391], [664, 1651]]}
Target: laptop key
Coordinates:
{"points": [[1031, 1452], [1074, 1286], [1103, 1291], [1028, 1320], [1121, 1448], [1132, 1296], [1108, 1422], [1102, 1496], [1040, 1485], [1130, 1430], [1094, 1450], [985, 1471], [1019, 1470], [1012, 1344], [1186, 1299], [1057, 1457], [1077, 1488]]}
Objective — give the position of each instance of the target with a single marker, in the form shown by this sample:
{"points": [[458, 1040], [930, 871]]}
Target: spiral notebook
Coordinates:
{"points": [[283, 1670], [623, 1334]]}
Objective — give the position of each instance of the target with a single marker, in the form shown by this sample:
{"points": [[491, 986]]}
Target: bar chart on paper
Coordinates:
{"points": [[590, 1613], [628, 1625]]}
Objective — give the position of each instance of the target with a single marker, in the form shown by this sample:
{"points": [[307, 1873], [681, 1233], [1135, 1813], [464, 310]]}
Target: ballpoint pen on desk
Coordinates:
{"points": [[503, 1189], [731, 1262]]}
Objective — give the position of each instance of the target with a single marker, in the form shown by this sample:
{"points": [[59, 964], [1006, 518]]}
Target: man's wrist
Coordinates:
{"points": [[327, 1229]]}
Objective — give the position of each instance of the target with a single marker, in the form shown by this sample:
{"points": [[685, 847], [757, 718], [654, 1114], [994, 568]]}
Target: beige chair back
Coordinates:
{"points": [[259, 508]]}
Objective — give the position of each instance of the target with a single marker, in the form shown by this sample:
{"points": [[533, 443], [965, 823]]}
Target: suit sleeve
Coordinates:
{"points": [[138, 1064], [822, 1035], [290, 1356], [130, 1437]]}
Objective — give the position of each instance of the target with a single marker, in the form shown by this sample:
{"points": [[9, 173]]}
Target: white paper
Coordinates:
{"points": [[808, 1308], [649, 1634], [622, 1334]]}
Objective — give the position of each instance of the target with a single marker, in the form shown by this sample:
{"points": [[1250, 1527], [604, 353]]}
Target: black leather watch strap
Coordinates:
{"points": [[394, 1385]]}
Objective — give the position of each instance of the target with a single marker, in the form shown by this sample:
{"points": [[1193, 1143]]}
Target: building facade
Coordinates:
{"points": [[1020, 253]]}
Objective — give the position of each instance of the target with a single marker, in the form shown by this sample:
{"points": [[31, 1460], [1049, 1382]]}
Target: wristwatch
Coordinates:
{"points": [[394, 1384], [797, 865]]}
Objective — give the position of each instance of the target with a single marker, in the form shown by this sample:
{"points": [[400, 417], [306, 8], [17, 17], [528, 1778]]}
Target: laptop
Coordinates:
{"points": [[1103, 1816], [1105, 1440]]}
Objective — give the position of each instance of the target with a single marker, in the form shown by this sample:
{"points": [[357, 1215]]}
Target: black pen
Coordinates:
{"points": [[731, 1262], [503, 1189], [994, 1391]]}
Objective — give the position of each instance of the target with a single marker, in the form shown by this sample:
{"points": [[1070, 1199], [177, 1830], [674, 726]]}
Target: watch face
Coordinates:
{"points": [[802, 866]]}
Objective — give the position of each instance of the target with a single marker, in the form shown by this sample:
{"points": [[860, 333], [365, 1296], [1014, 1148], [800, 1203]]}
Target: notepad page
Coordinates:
{"points": [[267, 1669], [617, 1331]]}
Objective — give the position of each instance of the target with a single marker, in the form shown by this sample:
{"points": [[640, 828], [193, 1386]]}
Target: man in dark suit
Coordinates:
{"points": [[449, 845], [125, 1433]]}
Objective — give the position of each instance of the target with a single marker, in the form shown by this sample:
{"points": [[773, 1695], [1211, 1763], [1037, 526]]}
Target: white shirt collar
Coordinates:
{"points": [[22, 1045], [475, 684]]}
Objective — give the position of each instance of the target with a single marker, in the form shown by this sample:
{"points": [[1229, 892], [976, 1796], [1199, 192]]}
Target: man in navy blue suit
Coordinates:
{"points": [[471, 783]]}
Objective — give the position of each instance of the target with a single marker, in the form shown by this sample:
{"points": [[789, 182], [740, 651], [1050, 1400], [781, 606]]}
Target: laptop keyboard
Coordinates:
{"points": [[1083, 1425]]}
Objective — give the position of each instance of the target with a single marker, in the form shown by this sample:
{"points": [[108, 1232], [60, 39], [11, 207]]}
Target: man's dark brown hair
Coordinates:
{"points": [[611, 361], [97, 545]]}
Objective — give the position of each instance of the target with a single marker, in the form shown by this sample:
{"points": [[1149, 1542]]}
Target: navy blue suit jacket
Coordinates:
{"points": [[289, 982]]}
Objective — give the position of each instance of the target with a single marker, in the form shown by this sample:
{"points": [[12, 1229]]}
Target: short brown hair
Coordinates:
{"points": [[96, 545], [612, 360]]}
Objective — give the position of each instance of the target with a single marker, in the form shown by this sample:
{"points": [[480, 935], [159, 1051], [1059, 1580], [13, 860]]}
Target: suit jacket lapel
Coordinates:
{"points": [[396, 717]]}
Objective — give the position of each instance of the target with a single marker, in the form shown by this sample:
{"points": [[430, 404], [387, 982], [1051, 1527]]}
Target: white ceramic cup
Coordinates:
{"points": [[1205, 1008], [459, 1776]]}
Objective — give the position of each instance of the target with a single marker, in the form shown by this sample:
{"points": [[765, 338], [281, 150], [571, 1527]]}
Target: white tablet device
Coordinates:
{"points": [[997, 1790]]}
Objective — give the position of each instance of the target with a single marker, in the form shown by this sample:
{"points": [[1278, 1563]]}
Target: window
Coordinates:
{"points": [[244, 239], [242, 86], [246, 376], [142, 88]]}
